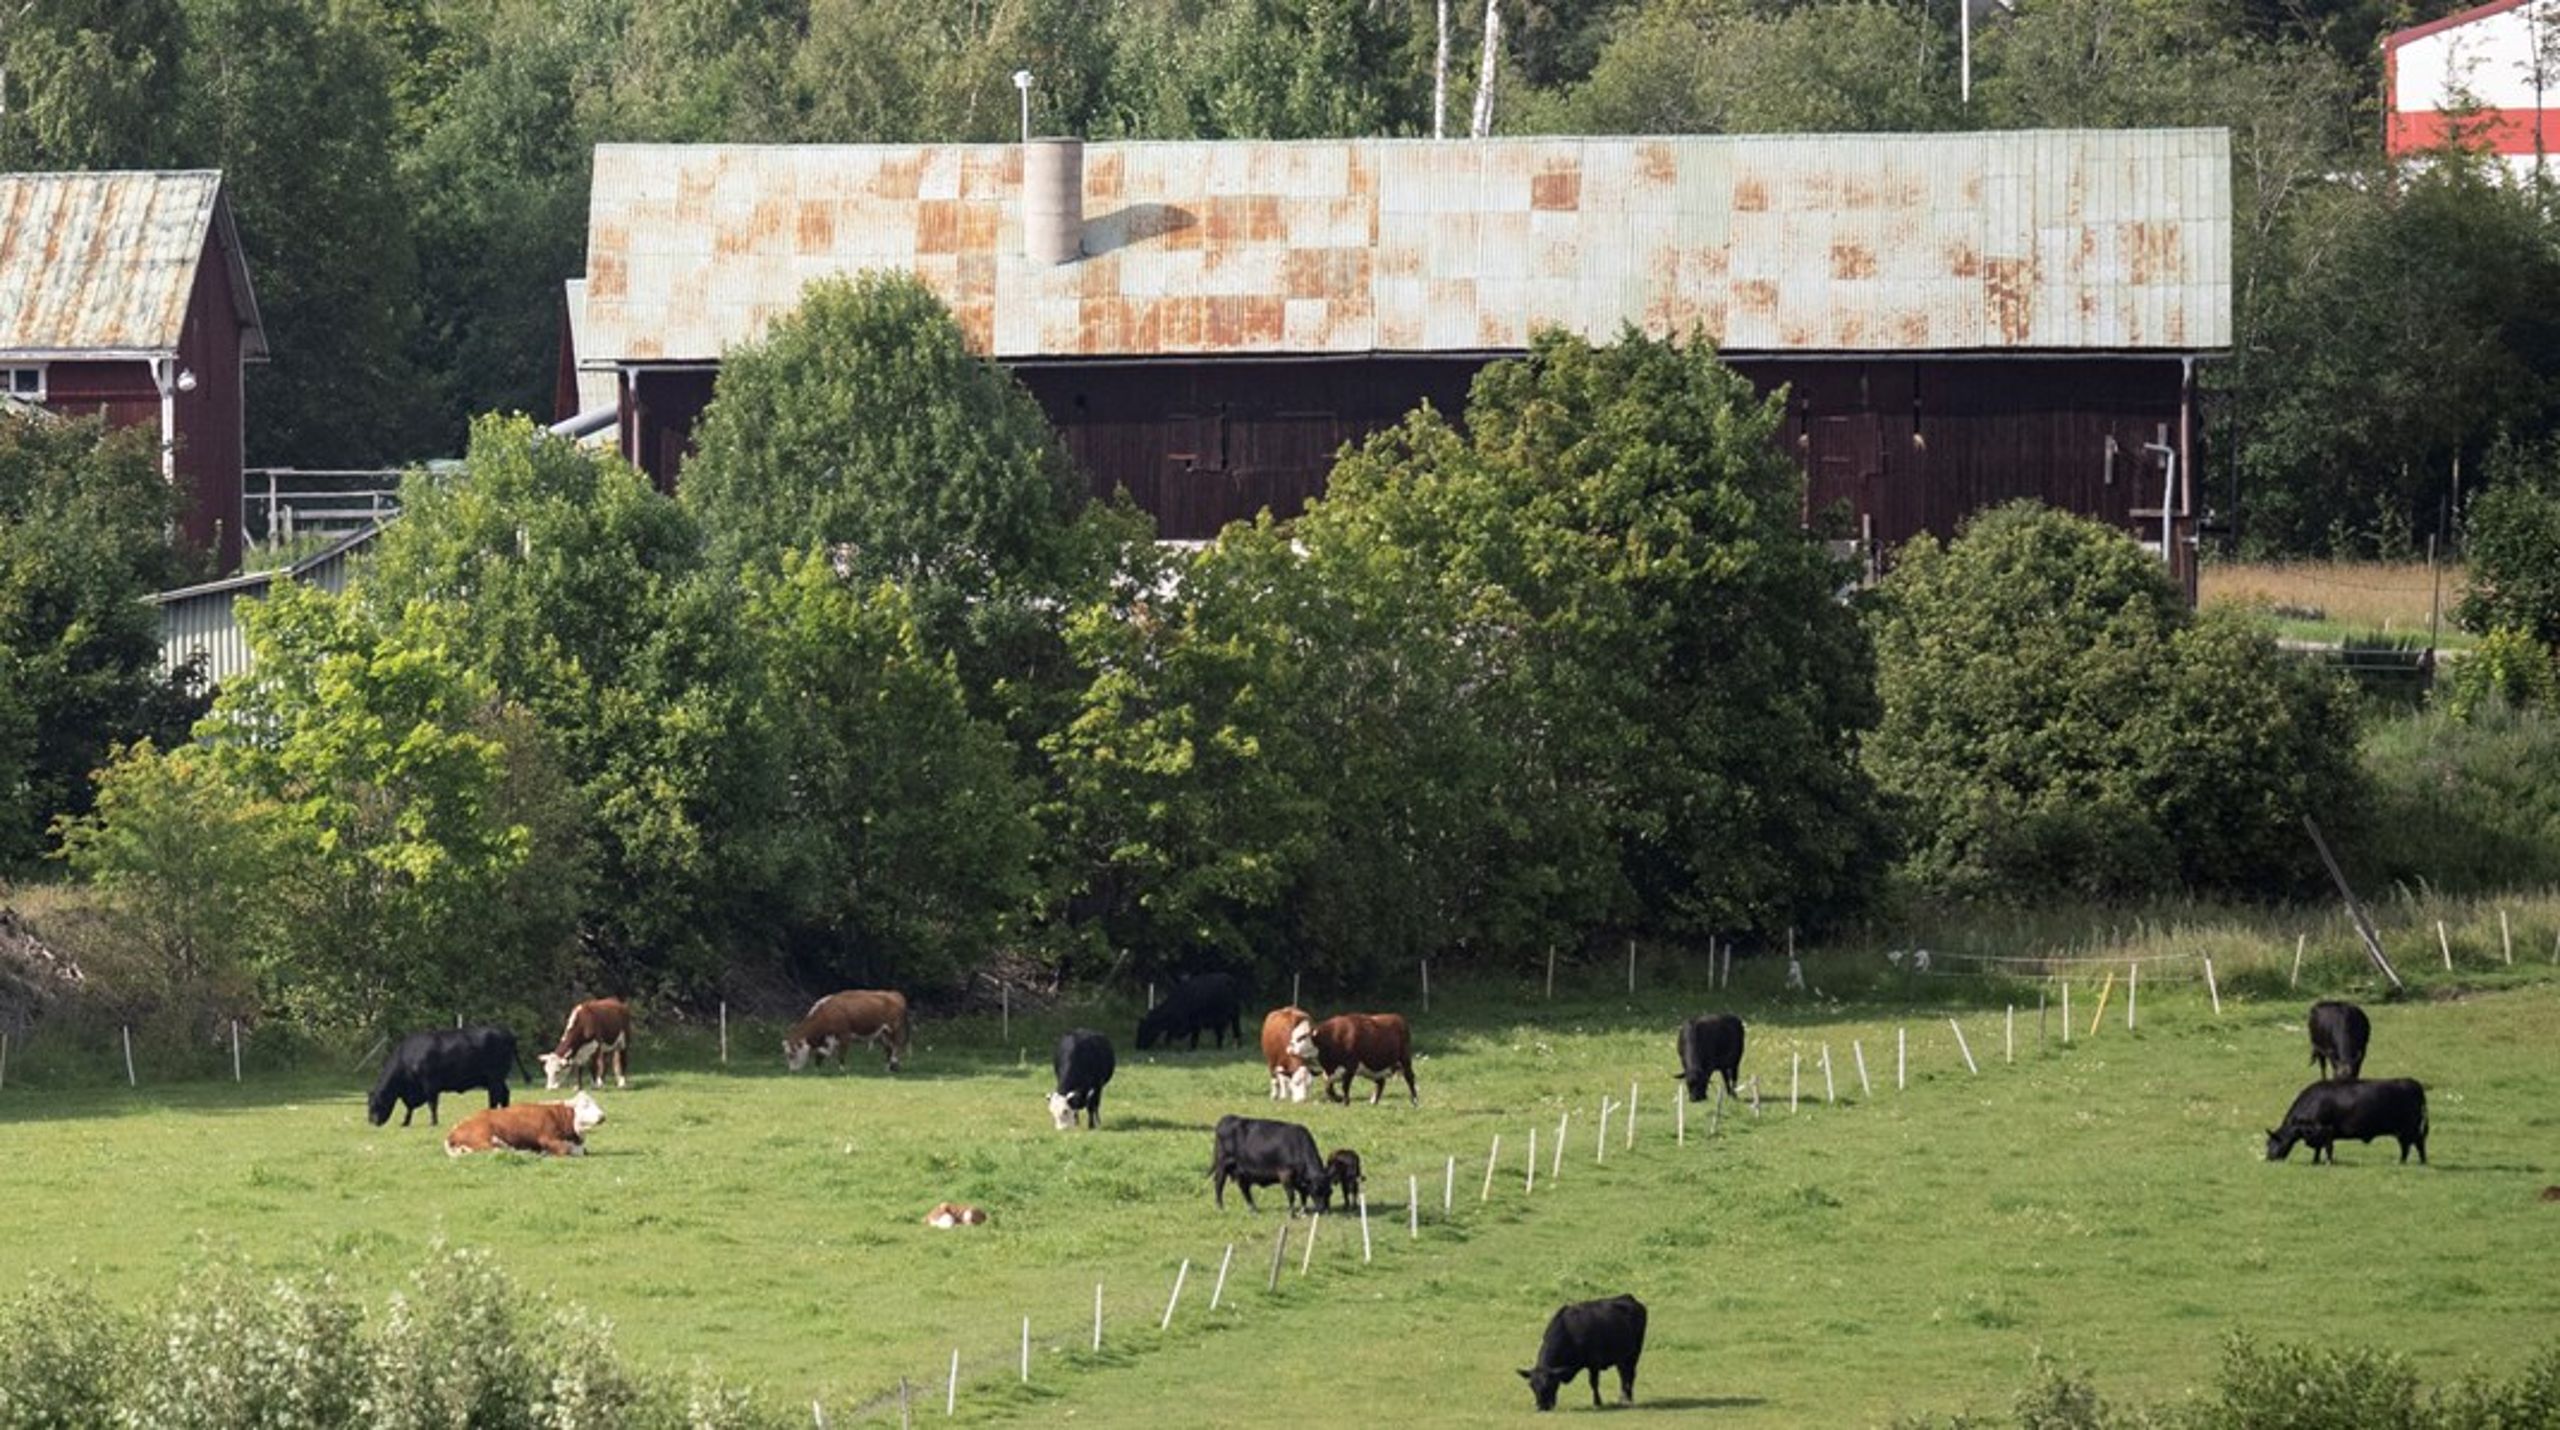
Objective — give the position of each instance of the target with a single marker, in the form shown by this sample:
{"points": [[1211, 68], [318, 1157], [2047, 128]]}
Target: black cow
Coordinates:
{"points": [[1084, 1065], [1256, 1152], [1708, 1046], [2329, 1112], [1342, 1174], [2339, 1033], [1589, 1336], [1211, 1003], [425, 1066]]}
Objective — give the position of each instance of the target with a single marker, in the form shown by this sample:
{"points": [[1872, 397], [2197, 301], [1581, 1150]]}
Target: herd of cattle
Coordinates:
{"points": [[1298, 1050]]}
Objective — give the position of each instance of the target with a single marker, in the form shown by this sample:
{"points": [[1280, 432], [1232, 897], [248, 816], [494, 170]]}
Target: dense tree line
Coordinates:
{"points": [[1560, 670], [411, 174]]}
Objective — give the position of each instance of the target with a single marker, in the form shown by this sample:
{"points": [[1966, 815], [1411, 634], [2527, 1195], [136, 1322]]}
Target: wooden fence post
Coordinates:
{"points": [[2296, 980], [1631, 966], [724, 1032], [1551, 973], [1307, 1258], [1279, 1253], [2103, 990]]}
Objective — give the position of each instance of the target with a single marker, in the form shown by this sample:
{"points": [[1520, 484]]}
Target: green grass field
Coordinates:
{"points": [[2107, 1203]]}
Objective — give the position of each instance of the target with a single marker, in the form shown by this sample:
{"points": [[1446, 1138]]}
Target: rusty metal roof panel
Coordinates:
{"points": [[2035, 240], [105, 262]]}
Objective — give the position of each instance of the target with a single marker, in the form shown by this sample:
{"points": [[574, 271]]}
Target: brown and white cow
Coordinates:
{"points": [[1281, 1030], [840, 1020], [1370, 1045], [556, 1129], [599, 1032]]}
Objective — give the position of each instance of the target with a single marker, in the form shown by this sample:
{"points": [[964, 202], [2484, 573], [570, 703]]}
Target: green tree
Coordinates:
{"points": [[2387, 366], [863, 424], [906, 840], [292, 100], [90, 84], [497, 152], [2513, 549], [83, 520], [2056, 721], [563, 578], [1721, 67], [1619, 534], [402, 813], [186, 863]]}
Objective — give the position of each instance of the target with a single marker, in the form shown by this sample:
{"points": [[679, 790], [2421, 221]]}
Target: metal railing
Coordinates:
{"points": [[280, 504]]}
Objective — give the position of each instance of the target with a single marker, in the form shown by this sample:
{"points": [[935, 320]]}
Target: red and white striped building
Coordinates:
{"points": [[2488, 76]]}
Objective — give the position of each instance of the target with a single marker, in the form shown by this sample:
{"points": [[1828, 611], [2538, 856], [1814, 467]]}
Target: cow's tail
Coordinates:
{"points": [[516, 1051]]}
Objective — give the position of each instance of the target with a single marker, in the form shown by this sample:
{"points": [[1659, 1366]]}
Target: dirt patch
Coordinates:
{"points": [[2551, 1194]]}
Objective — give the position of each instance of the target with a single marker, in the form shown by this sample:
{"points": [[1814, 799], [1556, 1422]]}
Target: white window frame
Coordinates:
{"points": [[9, 384]]}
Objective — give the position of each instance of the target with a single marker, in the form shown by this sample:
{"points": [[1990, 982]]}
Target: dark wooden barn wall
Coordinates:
{"points": [[208, 420], [1912, 445]]}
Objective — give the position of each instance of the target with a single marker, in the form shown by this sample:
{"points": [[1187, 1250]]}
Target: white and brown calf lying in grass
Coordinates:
{"points": [[557, 1129]]}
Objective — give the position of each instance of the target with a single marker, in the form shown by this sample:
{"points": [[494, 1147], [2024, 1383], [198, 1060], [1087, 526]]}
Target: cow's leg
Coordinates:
{"points": [[1093, 1111], [1595, 1387], [498, 1091], [1377, 1088], [432, 1109], [408, 1110], [1412, 1093], [1627, 1380]]}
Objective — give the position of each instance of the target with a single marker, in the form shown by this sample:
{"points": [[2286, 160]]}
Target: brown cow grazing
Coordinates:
{"points": [[1281, 1029], [556, 1129], [840, 1020], [1370, 1045], [599, 1031]]}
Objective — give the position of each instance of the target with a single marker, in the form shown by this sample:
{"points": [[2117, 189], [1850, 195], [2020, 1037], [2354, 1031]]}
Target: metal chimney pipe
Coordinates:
{"points": [[1053, 200]]}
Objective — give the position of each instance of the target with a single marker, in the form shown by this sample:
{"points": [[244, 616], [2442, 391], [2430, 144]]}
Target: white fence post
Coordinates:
{"points": [[1220, 1290], [951, 1387], [1795, 1077], [1633, 1088], [1858, 1051], [1179, 1275], [2009, 1043], [1827, 1095], [2296, 980], [1097, 1315], [128, 1058], [1532, 1184], [1412, 1207], [1491, 1156], [1901, 1057], [235, 1050], [1962, 1048], [724, 1032], [2211, 986]]}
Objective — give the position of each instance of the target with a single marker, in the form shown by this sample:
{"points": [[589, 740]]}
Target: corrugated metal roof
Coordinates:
{"points": [[2009, 241], [105, 262], [596, 388]]}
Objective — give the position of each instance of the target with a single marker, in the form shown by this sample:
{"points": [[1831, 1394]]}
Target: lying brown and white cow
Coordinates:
{"points": [[1281, 1030], [599, 1032], [1370, 1045], [840, 1020], [557, 1129]]}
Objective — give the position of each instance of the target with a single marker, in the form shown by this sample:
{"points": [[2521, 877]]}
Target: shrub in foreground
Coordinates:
{"points": [[458, 1346]]}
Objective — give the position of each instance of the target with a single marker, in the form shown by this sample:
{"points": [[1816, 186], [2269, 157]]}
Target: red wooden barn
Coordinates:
{"points": [[126, 294], [1958, 319]]}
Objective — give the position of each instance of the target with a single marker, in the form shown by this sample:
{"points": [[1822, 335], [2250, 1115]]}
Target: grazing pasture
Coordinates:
{"points": [[1904, 1251]]}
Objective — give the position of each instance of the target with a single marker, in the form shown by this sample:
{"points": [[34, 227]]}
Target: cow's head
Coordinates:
{"points": [[584, 1113], [1302, 1042], [795, 1054], [1061, 1111], [1542, 1384], [2280, 1142], [377, 1106], [1296, 1082], [553, 1065], [1152, 1028]]}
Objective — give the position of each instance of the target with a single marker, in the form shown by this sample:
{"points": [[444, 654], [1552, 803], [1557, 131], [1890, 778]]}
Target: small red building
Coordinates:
{"points": [[126, 295]]}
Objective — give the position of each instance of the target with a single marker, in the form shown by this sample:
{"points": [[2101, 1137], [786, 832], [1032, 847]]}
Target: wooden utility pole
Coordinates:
{"points": [[2355, 910]]}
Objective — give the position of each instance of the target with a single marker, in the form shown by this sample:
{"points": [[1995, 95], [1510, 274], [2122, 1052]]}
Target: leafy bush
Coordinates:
{"points": [[2056, 721], [2509, 667], [234, 1351], [2512, 537], [2296, 1387], [2465, 804], [1572, 665]]}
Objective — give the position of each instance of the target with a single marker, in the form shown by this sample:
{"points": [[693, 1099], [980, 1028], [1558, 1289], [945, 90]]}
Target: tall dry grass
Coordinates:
{"points": [[2361, 595]]}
